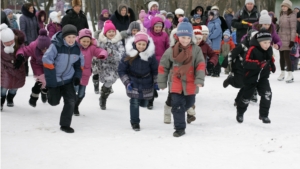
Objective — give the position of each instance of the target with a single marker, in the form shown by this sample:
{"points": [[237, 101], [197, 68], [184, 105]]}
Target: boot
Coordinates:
{"points": [[240, 118], [281, 77], [67, 129], [105, 92], [226, 81], [265, 119], [33, 99], [150, 105], [135, 126], [44, 95], [290, 77], [10, 100], [167, 114], [96, 86], [76, 108], [191, 115], [2, 102], [179, 133]]}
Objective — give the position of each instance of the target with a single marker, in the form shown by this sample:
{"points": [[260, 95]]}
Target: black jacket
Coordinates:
{"points": [[121, 22], [241, 29], [78, 20], [4, 19]]}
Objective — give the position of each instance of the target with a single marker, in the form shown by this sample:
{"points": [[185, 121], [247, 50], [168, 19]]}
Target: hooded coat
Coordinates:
{"points": [[39, 16], [29, 25], [215, 34], [78, 20], [121, 22]]}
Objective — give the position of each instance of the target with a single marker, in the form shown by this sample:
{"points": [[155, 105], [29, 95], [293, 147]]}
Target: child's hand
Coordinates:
{"points": [[276, 46], [199, 85]]}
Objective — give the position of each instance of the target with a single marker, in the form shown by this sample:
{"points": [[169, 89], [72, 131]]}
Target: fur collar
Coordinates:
{"points": [[173, 40], [103, 38], [27, 13], [149, 52]]}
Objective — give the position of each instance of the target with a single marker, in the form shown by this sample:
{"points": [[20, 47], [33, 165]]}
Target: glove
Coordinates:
{"points": [[210, 65], [273, 67], [76, 81], [19, 61], [156, 86], [291, 44], [263, 64], [129, 87], [26, 43]]}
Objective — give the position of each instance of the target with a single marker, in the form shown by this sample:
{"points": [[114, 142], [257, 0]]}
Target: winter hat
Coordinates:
{"points": [[179, 11], [84, 33], [297, 7], [215, 8], [185, 28], [263, 35], [227, 33], [104, 11], [121, 6], [55, 16], [205, 29], [197, 16], [265, 18], [69, 30], [108, 25], [287, 3], [6, 33], [214, 13], [76, 3], [7, 11], [142, 14], [43, 41], [140, 36], [197, 31], [163, 12], [249, 1], [133, 25], [170, 15], [151, 4]]}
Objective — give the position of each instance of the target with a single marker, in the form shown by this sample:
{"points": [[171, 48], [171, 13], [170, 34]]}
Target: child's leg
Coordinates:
{"points": [[68, 93], [264, 90], [44, 95], [96, 83], [244, 100], [167, 110], [10, 97], [134, 111], [80, 95], [35, 92], [105, 92], [3, 96], [143, 103]]}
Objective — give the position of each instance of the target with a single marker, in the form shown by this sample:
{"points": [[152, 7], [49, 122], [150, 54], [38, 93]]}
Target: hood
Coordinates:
{"points": [[194, 11], [104, 39], [132, 15], [132, 52], [27, 13], [155, 20], [173, 40], [71, 11], [40, 14]]}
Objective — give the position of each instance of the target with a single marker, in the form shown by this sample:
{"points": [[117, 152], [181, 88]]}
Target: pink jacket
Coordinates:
{"points": [[88, 54], [36, 61], [53, 28]]}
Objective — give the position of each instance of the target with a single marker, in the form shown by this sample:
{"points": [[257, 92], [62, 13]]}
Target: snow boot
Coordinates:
{"points": [[76, 108], [10, 100], [254, 96], [105, 92], [44, 95], [240, 118], [167, 114], [226, 81], [67, 129], [96, 86], [191, 115], [290, 77], [33, 99], [265, 119], [2, 102], [281, 77], [135, 126], [179, 133], [150, 105]]}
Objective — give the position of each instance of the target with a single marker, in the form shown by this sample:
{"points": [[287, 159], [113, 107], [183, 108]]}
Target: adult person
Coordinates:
{"points": [[12, 18], [120, 18]]}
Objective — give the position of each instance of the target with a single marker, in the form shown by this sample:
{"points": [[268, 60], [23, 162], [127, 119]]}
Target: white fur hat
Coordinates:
{"points": [[205, 29], [151, 4], [55, 17], [215, 8], [179, 11]]}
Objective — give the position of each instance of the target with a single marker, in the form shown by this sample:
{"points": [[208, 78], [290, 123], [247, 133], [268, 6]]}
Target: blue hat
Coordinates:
{"points": [[197, 16], [227, 33], [185, 28]]}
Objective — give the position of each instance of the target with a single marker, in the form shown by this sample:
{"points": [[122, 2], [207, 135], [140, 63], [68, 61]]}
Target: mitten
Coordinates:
{"points": [[19, 61], [76, 81]]}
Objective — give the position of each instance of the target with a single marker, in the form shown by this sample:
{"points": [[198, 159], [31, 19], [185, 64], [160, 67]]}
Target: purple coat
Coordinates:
{"points": [[101, 21], [60, 6], [272, 30], [29, 25], [53, 28], [36, 61], [150, 15]]}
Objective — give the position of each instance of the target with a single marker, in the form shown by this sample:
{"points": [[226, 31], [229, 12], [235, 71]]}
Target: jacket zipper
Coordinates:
{"points": [[66, 67]]}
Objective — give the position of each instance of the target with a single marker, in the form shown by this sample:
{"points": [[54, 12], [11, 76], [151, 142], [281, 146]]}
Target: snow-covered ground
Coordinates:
{"points": [[31, 139]]}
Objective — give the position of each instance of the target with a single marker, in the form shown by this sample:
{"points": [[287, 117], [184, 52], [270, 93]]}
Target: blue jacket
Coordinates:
{"points": [[13, 23], [215, 33], [141, 73], [62, 62], [233, 35]]}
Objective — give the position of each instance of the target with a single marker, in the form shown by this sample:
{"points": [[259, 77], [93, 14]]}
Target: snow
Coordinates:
{"points": [[31, 138]]}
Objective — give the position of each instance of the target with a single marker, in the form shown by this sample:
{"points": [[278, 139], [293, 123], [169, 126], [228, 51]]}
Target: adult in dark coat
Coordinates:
{"points": [[200, 11], [75, 16], [4, 19], [120, 18]]}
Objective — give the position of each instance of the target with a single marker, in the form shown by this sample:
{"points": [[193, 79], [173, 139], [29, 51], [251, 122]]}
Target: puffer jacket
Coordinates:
{"points": [[29, 25], [287, 29], [215, 34]]}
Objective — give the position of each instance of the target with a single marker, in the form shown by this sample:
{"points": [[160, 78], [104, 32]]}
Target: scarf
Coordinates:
{"points": [[182, 55]]}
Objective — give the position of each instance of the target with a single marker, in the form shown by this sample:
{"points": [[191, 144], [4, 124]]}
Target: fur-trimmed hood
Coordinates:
{"points": [[132, 52], [173, 40], [27, 13], [104, 39], [39, 15]]}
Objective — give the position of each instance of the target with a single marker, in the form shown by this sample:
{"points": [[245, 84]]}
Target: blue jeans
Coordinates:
{"points": [[80, 91], [135, 109], [10, 91]]}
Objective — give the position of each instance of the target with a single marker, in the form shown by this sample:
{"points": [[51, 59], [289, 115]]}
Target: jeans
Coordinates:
{"points": [[10, 91], [135, 110], [80, 90]]}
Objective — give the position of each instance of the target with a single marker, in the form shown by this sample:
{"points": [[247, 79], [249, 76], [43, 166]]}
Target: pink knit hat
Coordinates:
{"points": [[142, 14], [104, 11], [85, 33], [108, 25], [140, 36]]}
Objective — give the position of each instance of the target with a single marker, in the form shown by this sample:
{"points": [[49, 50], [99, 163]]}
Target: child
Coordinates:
{"points": [[161, 42], [226, 46], [205, 33], [142, 16], [41, 16], [257, 65], [133, 28], [214, 26], [36, 50], [63, 64], [88, 47], [12, 68], [104, 16], [186, 64], [196, 20], [138, 72], [110, 40], [54, 26]]}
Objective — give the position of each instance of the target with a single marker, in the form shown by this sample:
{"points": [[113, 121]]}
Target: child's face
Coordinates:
{"points": [[105, 15], [110, 34], [265, 44], [205, 37], [185, 40], [9, 43], [210, 17], [199, 39], [85, 42], [134, 31], [10, 16], [171, 20], [70, 39], [157, 28], [266, 26], [154, 8], [44, 50], [226, 37], [42, 18], [284, 8], [141, 46], [198, 20]]}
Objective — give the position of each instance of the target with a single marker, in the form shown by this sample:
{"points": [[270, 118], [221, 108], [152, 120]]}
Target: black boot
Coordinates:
{"points": [[240, 118], [105, 92], [67, 129], [76, 108], [96, 86], [150, 105], [2, 102], [226, 81], [135, 126], [44, 95], [179, 133], [265, 119], [10, 100], [33, 100]]}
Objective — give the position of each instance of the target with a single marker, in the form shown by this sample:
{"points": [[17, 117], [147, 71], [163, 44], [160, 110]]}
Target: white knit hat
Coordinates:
{"points": [[179, 11], [215, 8], [287, 3], [264, 17], [6, 33], [151, 4], [55, 16], [205, 29], [249, 1]]}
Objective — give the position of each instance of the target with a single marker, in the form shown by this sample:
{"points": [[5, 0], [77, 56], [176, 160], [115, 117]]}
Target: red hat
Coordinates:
{"points": [[198, 31]]}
